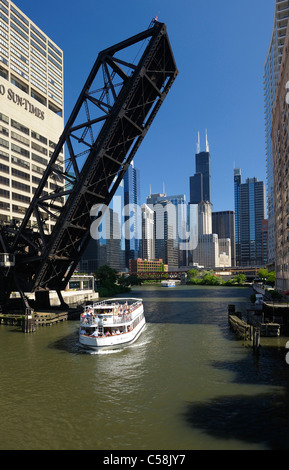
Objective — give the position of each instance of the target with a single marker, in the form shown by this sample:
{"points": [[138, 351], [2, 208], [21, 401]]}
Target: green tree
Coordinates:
{"points": [[212, 280], [193, 274], [240, 279], [263, 274], [271, 278], [106, 276], [133, 280]]}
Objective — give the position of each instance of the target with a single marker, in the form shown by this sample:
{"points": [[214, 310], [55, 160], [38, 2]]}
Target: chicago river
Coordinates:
{"points": [[187, 383]]}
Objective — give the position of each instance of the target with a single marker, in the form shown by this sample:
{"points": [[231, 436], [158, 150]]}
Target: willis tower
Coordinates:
{"points": [[200, 183]]}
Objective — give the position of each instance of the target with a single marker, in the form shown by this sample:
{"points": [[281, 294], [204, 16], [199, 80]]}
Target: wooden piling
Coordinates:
{"points": [[256, 340], [28, 325]]}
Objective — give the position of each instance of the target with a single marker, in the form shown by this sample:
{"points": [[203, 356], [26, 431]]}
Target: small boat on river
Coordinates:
{"points": [[168, 284], [111, 323]]}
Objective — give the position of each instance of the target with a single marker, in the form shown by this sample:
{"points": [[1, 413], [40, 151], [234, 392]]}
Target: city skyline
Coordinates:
{"points": [[219, 88]]}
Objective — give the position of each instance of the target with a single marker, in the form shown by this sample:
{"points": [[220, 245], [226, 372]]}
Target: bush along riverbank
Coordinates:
{"points": [[208, 278], [110, 283]]}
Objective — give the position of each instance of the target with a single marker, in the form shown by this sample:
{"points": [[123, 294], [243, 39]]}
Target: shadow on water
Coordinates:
{"points": [[252, 419], [68, 343], [259, 419], [268, 368]]}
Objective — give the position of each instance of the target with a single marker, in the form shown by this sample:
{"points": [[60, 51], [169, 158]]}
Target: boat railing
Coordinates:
{"points": [[114, 319], [122, 318], [89, 317]]}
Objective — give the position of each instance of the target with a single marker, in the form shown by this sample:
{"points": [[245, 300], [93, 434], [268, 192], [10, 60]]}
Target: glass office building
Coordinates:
{"points": [[132, 222], [249, 215]]}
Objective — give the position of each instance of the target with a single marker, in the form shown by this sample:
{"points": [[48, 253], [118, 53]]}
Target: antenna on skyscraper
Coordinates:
{"points": [[198, 144], [207, 143]]}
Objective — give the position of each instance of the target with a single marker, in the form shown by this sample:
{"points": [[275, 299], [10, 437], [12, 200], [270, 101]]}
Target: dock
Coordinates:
{"points": [[28, 323], [254, 329], [240, 328], [40, 317]]}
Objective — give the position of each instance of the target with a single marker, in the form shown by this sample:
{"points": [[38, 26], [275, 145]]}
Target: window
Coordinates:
{"points": [[4, 118], [20, 174], [39, 137], [21, 186], [19, 84], [20, 150], [20, 138], [39, 148], [4, 143]]}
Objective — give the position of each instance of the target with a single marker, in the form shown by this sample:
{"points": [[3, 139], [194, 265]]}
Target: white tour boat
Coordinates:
{"points": [[111, 323], [168, 284]]}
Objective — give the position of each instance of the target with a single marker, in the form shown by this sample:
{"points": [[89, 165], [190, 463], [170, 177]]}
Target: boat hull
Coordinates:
{"points": [[112, 342]]}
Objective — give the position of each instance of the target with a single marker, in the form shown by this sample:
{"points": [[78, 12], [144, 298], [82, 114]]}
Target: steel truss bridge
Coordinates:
{"points": [[250, 273], [160, 275], [111, 117]]}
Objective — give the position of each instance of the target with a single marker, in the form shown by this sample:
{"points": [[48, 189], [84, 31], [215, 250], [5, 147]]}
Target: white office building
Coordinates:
{"points": [[31, 111], [148, 239]]}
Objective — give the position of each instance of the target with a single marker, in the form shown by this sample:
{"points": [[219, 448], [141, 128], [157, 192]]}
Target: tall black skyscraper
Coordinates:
{"points": [[200, 183]]}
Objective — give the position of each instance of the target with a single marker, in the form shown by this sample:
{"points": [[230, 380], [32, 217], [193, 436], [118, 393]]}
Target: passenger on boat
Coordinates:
{"points": [[95, 333], [108, 333]]}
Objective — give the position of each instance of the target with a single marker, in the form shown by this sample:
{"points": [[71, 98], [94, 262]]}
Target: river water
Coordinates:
{"points": [[186, 384]]}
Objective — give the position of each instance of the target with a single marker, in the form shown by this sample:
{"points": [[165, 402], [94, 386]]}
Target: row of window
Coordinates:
{"points": [[52, 73], [26, 176], [20, 174], [5, 194], [17, 20], [26, 131], [4, 156], [34, 94]]}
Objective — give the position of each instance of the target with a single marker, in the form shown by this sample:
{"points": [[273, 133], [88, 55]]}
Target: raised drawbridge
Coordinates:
{"points": [[111, 117]]}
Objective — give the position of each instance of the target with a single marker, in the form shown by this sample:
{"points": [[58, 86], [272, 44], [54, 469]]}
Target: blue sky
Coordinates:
{"points": [[219, 47]]}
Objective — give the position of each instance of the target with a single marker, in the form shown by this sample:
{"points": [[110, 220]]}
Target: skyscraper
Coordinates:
{"points": [[200, 183], [133, 213], [271, 75], [148, 239], [223, 224], [31, 112], [237, 188], [171, 220], [166, 242], [280, 145], [249, 214]]}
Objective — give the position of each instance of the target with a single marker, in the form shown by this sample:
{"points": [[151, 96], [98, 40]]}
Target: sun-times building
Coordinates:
{"points": [[31, 110]]}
